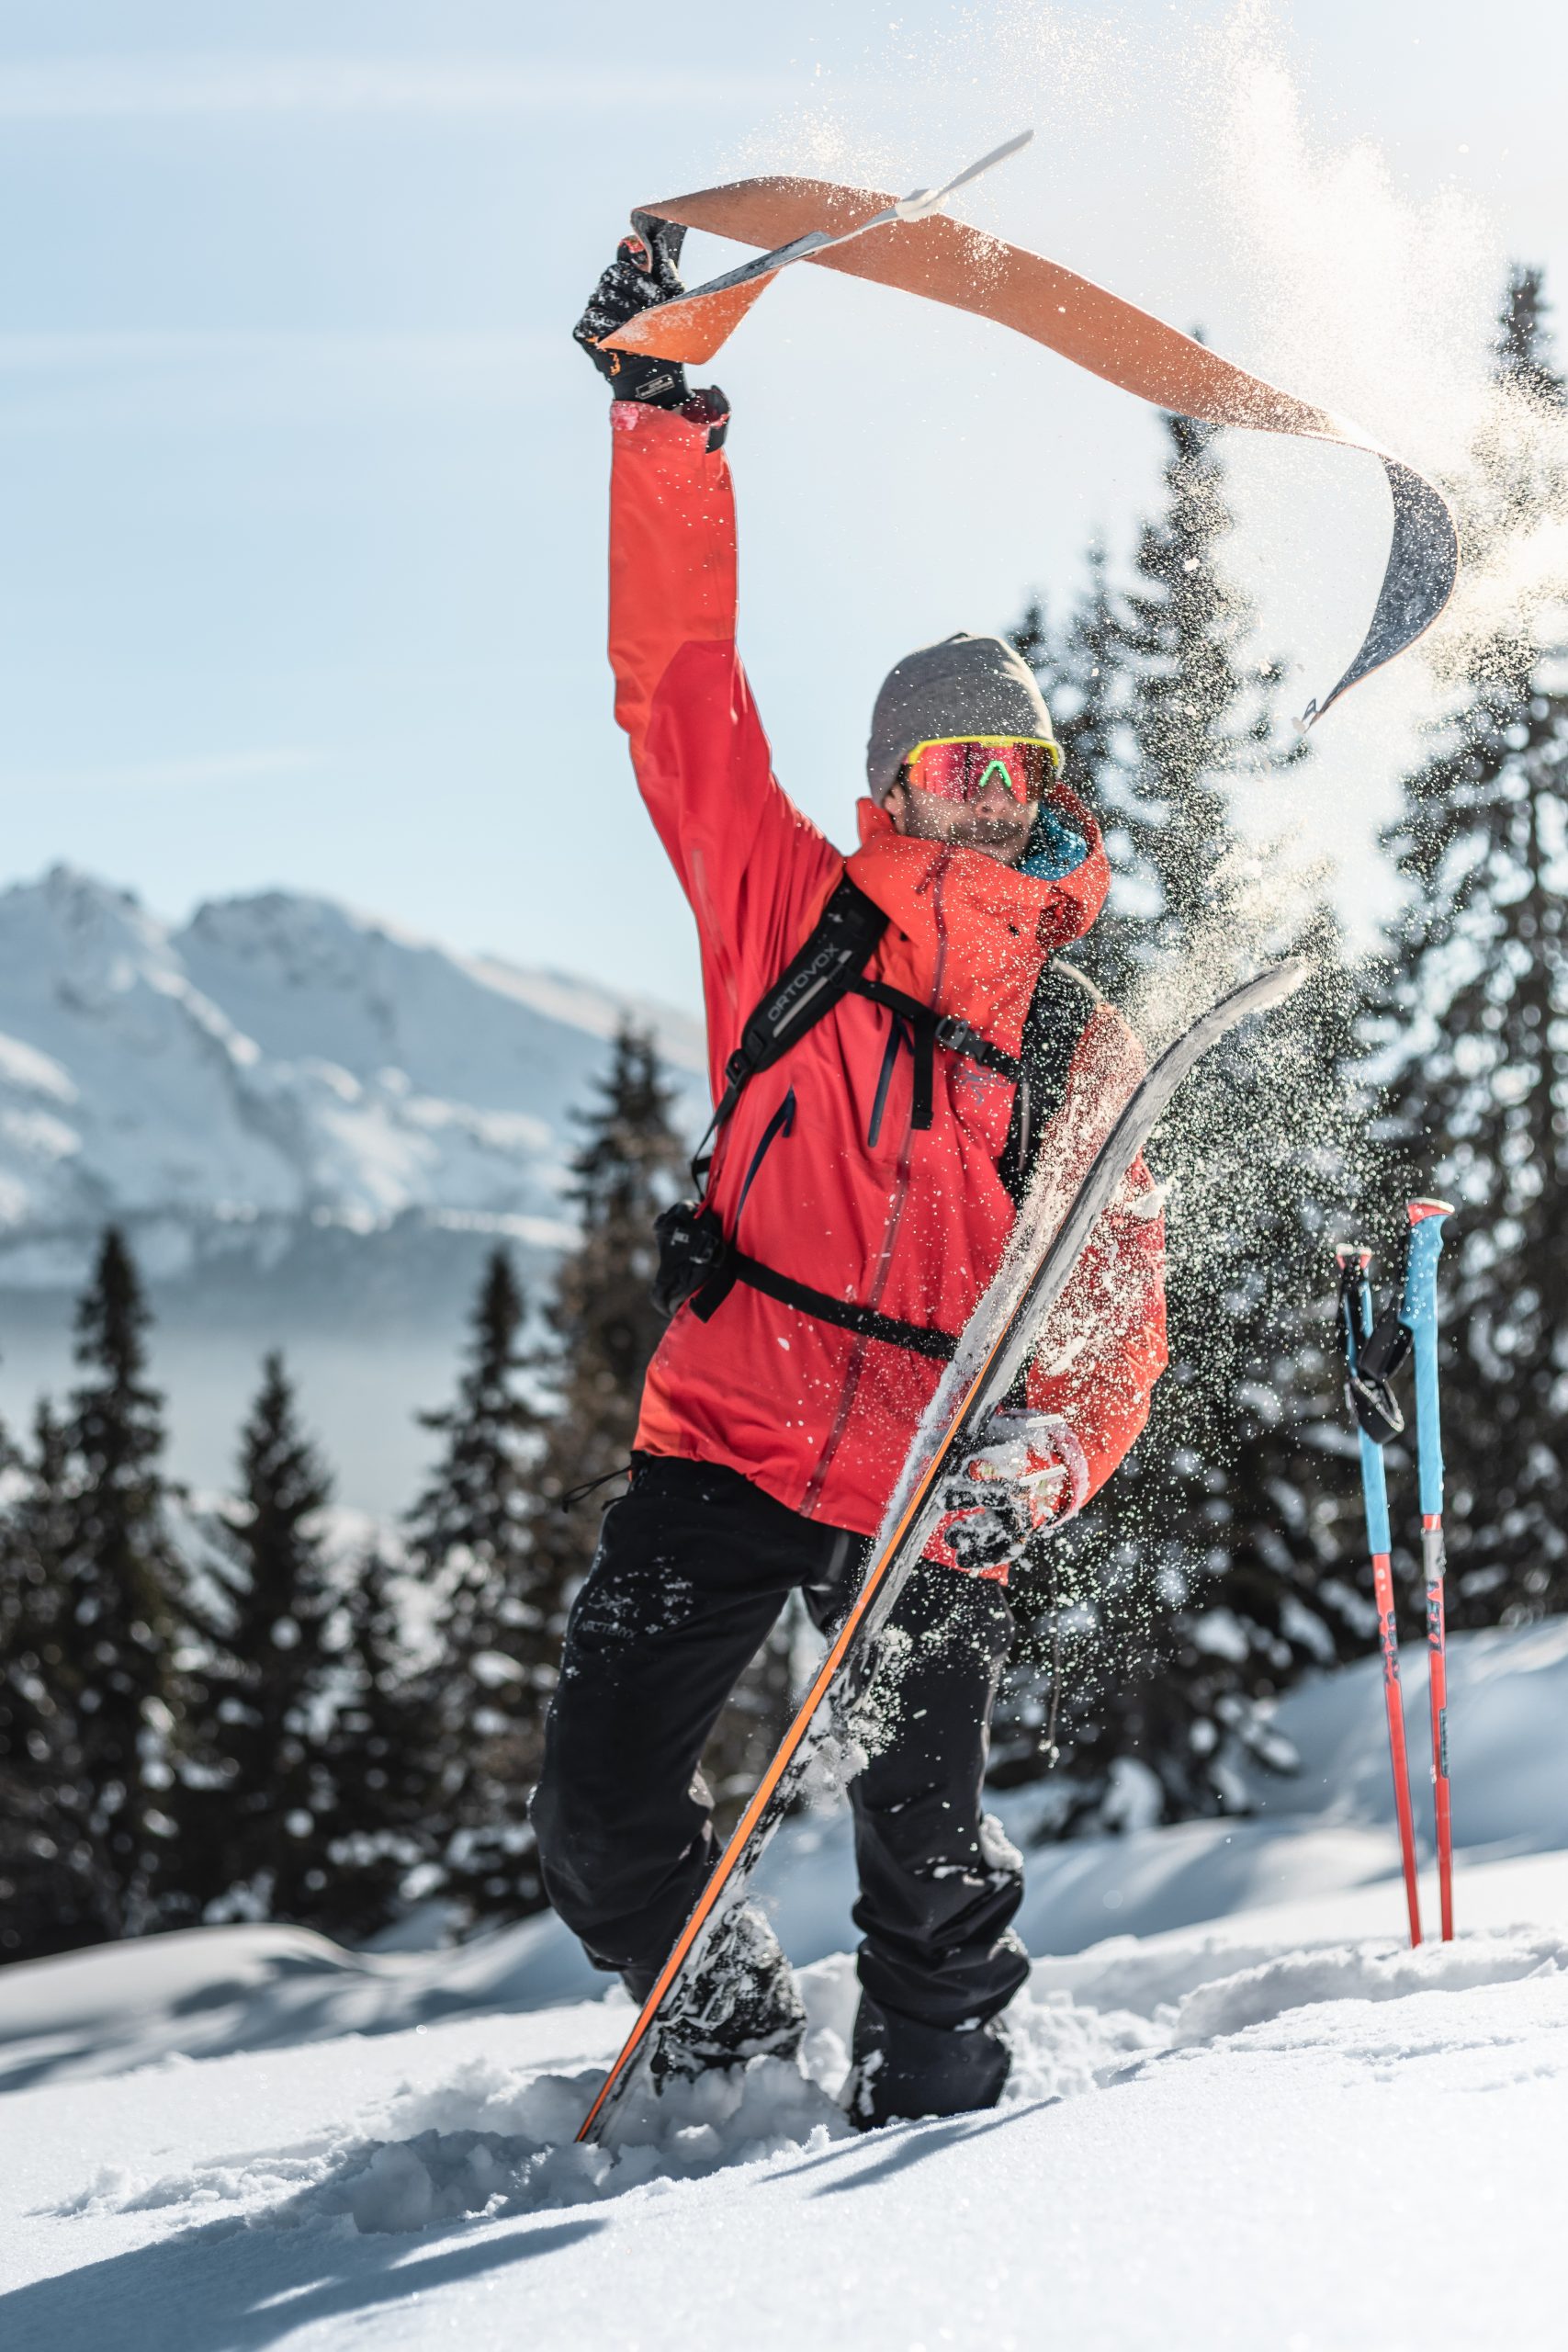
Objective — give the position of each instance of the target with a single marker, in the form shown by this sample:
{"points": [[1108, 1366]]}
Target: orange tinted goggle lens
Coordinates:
{"points": [[959, 768]]}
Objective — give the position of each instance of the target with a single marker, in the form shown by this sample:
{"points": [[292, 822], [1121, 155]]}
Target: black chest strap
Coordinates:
{"points": [[931, 1030], [920, 1338], [829, 967]]}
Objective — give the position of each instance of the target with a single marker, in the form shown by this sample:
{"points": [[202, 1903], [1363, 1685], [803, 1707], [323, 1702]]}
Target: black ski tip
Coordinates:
{"points": [[1423, 565]]}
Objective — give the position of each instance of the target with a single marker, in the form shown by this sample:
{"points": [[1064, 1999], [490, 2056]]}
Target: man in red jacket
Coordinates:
{"points": [[862, 1188]]}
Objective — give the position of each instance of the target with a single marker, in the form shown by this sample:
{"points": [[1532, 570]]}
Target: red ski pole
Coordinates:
{"points": [[1356, 1316]]}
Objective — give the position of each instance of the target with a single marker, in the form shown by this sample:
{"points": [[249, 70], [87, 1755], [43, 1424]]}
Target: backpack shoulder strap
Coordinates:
{"points": [[1064, 1004], [810, 986]]}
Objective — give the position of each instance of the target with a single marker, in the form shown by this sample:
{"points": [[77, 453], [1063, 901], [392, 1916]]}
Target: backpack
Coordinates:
{"points": [[699, 1267]]}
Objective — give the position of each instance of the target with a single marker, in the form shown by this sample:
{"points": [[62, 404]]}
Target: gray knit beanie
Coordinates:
{"points": [[965, 685]]}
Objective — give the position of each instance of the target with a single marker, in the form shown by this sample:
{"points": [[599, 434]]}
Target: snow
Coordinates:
{"points": [[1267, 2123], [277, 1057]]}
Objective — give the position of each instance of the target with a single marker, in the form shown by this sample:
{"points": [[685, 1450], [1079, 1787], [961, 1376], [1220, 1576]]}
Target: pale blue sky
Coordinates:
{"points": [[301, 554]]}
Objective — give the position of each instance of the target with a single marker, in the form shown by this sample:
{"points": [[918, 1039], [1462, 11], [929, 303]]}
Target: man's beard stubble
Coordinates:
{"points": [[1003, 838]]}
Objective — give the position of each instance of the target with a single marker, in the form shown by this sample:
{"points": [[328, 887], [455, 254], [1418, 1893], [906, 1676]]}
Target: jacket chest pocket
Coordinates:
{"points": [[982, 1103], [780, 1124], [900, 1042]]}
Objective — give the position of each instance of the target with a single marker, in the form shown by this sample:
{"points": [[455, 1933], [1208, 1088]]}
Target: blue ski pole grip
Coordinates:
{"points": [[1374, 1489], [1419, 1312]]}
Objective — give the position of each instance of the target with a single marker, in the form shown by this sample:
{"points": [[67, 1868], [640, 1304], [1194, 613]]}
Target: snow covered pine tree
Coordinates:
{"points": [[125, 1592], [1216, 1570], [50, 1891], [471, 1538], [252, 1793]]}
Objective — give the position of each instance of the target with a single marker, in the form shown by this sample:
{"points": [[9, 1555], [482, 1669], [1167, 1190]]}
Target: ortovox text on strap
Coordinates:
{"points": [[810, 986]]}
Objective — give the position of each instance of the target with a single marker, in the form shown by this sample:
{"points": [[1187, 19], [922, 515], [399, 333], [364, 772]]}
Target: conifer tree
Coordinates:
{"points": [[255, 1790], [1477, 1019], [471, 1536], [1185, 626], [471, 1529], [1189, 707], [603, 1325], [124, 1587], [1078, 668], [381, 1754], [629, 1166], [1209, 1577], [49, 1891]]}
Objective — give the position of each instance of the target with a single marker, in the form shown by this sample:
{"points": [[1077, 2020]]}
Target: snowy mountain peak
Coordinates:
{"points": [[277, 1056], [76, 927], [293, 931]]}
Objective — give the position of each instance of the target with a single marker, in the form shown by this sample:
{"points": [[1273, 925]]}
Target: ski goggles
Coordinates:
{"points": [[959, 767]]}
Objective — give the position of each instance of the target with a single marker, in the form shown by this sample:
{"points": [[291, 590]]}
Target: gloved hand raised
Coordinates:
{"points": [[1027, 1478], [642, 274]]}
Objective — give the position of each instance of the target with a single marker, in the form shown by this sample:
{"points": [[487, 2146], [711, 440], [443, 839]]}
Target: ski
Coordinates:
{"points": [[924, 251], [1016, 1303], [707, 315]]}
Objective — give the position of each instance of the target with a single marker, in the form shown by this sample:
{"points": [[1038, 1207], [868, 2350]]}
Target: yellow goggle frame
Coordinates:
{"points": [[992, 743]]}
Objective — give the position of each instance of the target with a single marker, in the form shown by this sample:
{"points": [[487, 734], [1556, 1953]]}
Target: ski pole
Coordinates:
{"points": [[1420, 1314], [1355, 1314]]}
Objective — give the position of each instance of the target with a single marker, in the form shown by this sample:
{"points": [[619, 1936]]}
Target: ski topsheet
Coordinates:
{"points": [[1007, 1319], [947, 261], [708, 315]]}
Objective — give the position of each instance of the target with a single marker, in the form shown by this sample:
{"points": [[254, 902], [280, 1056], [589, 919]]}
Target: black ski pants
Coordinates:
{"points": [[693, 1565]]}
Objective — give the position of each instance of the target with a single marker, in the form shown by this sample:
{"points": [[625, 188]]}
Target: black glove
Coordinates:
{"points": [[642, 274], [991, 1535]]}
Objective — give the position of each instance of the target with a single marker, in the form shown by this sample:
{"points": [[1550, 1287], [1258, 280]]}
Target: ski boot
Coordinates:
{"points": [[741, 2004], [902, 2070]]}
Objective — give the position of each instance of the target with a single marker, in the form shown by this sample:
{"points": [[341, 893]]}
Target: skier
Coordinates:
{"points": [[895, 1046]]}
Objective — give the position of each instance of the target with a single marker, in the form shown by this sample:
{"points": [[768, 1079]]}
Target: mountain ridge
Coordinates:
{"points": [[280, 1060]]}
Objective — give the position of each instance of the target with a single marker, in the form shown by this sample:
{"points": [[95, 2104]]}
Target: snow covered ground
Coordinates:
{"points": [[1263, 2125]]}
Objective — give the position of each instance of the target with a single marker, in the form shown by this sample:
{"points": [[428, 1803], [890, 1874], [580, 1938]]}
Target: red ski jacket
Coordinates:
{"points": [[821, 1174]]}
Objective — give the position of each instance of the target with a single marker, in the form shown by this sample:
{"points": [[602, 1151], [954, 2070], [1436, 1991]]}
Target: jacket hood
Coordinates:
{"points": [[889, 865]]}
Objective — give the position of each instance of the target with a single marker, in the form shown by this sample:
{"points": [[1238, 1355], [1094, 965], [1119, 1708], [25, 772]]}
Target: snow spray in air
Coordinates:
{"points": [[1186, 167]]}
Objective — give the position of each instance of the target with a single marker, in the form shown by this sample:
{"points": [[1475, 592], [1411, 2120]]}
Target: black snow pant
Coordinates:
{"points": [[693, 1568]]}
